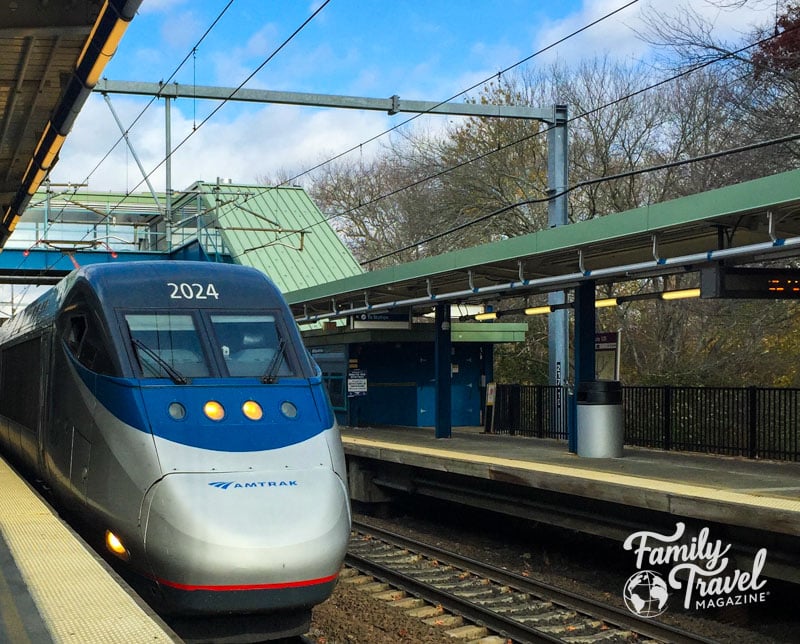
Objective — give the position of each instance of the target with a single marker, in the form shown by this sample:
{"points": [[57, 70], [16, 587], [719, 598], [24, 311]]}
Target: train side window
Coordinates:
{"points": [[75, 330], [85, 339]]}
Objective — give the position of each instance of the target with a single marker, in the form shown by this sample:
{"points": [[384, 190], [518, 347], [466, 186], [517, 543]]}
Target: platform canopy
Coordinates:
{"points": [[51, 55], [750, 221]]}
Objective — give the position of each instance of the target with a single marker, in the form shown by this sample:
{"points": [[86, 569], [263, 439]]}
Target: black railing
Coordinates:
{"points": [[539, 411], [737, 421]]}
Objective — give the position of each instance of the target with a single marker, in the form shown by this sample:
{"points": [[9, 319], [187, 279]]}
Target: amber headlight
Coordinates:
{"points": [[114, 544], [252, 410], [214, 410]]}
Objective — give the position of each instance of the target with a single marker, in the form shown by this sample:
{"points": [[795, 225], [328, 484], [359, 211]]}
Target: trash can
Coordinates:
{"points": [[600, 422]]}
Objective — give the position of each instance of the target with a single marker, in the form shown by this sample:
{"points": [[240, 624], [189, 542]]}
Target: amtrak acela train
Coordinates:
{"points": [[173, 407]]}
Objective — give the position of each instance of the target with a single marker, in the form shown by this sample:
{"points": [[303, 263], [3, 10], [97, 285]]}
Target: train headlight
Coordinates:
{"points": [[177, 411], [252, 410], [114, 544], [288, 409], [214, 410]]}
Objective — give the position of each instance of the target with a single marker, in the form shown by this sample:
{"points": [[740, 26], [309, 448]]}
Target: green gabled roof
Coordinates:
{"points": [[280, 232]]}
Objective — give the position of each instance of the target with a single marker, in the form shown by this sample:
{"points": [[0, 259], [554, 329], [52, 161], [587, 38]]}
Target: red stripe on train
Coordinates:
{"points": [[277, 586]]}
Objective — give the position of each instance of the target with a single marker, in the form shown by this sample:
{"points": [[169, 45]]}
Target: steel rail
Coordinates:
{"points": [[505, 626], [599, 610]]}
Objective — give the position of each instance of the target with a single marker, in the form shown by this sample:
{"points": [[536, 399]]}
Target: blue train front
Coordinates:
{"points": [[185, 420]]}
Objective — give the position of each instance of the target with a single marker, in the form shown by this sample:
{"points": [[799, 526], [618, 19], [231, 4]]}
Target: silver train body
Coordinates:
{"points": [[173, 407]]}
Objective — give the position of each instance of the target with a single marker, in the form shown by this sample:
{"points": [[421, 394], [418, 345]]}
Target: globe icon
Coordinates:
{"points": [[646, 594]]}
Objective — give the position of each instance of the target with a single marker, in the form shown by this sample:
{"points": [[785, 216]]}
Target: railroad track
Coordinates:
{"points": [[492, 601]]}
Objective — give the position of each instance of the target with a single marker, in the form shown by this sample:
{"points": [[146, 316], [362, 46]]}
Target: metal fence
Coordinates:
{"points": [[754, 422], [539, 411]]}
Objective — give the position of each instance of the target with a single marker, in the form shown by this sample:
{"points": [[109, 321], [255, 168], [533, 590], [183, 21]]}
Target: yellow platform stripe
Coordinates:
{"points": [[62, 576], [669, 487]]}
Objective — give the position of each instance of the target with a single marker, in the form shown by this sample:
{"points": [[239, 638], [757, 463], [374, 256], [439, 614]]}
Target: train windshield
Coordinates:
{"points": [[167, 345], [251, 345]]}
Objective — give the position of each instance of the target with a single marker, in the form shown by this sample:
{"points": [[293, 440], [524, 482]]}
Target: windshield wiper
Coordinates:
{"points": [[177, 377], [271, 374]]}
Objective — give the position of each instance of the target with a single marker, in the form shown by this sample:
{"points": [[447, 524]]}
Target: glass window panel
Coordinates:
{"points": [[249, 345], [173, 339]]}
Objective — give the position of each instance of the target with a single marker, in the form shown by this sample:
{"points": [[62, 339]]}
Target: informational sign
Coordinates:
{"points": [[488, 413], [356, 383], [558, 387], [382, 320], [606, 355], [491, 393], [750, 283]]}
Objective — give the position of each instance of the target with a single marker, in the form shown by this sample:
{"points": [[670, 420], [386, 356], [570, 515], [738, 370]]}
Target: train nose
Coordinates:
{"points": [[246, 531]]}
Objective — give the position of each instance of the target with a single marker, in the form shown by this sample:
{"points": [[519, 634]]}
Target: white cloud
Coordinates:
{"points": [[619, 35]]}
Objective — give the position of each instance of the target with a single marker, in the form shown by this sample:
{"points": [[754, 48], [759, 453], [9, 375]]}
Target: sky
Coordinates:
{"points": [[424, 50]]}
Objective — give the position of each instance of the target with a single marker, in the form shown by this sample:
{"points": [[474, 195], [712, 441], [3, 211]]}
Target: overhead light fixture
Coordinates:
{"points": [[538, 310], [492, 315], [609, 301], [681, 295]]}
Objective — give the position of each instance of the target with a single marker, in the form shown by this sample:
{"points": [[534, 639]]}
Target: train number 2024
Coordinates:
{"points": [[194, 291]]}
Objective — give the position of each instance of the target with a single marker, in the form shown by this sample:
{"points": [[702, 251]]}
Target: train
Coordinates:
{"points": [[172, 407]]}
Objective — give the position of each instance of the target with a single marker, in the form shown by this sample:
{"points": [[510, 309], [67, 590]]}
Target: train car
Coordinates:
{"points": [[173, 407]]}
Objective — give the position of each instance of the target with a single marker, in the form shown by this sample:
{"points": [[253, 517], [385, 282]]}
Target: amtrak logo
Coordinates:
{"points": [[224, 485]]}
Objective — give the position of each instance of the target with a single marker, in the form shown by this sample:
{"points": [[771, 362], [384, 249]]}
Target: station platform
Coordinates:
{"points": [[54, 588], [645, 488]]}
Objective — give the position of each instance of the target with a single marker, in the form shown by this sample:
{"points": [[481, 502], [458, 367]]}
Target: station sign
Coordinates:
{"points": [[750, 283], [382, 320], [606, 355]]}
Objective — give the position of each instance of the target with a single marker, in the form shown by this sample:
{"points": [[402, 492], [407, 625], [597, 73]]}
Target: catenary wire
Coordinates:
{"points": [[586, 183], [155, 97], [503, 71], [543, 131], [135, 120], [223, 102], [461, 93], [259, 68], [725, 56], [581, 184]]}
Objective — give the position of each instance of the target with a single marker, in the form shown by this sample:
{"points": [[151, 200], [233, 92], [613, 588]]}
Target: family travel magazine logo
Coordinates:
{"points": [[698, 569]]}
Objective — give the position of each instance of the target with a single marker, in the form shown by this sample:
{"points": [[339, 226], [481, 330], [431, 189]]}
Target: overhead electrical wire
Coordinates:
{"points": [[259, 68], [461, 93], [369, 140], [725, 55], [686, 72], [586, 183], [155, 97], [224, 101], [58, 215], [443, 102], [576, 117], [440, 173], [366, 141]]}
